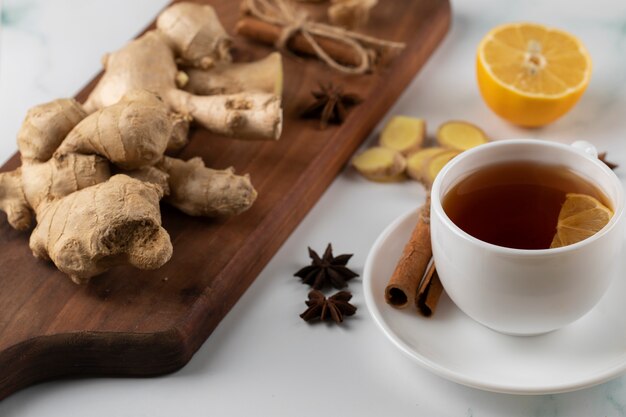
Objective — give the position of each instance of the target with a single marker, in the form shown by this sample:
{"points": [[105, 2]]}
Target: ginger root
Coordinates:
{"points": [[146, 63], [265, 75], [197, 36], [94, 175], [380, 164], [460, 135], [62, 176], [132, 133], [46, 126], [404, 134], [193, 33], [200, 191], [245, 115], [113, 223]]}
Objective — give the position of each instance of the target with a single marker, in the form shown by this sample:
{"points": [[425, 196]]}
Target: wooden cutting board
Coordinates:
{"points": [[130, 322]]}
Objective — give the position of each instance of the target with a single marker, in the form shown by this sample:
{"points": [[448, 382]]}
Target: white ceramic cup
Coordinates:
{"points": [[526, 292]]}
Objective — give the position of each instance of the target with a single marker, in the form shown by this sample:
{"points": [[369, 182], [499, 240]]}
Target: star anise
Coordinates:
{"points": [[602, 157], [334, 307], [331, 104], [326, 270]]}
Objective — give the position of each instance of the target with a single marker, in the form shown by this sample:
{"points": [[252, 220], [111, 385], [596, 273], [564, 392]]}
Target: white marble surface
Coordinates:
{"points": [[263, 359]]}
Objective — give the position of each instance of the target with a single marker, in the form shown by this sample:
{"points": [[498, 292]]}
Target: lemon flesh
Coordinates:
{"points": [[581, 217]]}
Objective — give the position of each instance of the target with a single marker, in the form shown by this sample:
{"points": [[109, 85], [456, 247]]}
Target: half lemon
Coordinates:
{"points": [[531, 74]]}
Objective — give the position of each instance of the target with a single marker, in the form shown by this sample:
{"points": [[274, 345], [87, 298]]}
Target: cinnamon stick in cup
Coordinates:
{"points": [[404, 283], [429, 292]]}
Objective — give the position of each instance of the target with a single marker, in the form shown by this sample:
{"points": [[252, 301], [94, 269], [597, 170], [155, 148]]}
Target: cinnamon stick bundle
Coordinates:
{"points": [[403, 285], [268, 34]]}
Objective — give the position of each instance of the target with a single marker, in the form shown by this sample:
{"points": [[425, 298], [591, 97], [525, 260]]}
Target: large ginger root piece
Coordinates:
{"points": [[245, 115], [13, 201], [114, 223], [197, 36], [265, 75], [149, 63], [132, 133], [45, 127], [200, 191]]}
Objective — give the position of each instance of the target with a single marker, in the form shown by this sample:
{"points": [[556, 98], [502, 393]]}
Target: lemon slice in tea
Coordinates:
{"points": [[581, 216]]}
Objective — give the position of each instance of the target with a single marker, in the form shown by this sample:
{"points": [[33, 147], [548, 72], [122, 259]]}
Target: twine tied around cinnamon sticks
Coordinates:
{"points": [[295, 21]]}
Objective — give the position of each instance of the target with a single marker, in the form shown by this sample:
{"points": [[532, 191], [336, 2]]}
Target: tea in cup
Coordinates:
{"points": [[501, 233]]}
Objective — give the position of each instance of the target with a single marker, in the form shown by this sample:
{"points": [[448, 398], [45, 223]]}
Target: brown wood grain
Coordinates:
{"points": [[130, 322]]}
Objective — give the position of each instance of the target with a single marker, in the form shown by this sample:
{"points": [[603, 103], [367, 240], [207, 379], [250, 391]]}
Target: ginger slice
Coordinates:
{"points": [[416, 161], [435, 163], [460, 135], [379, 163], [404, 134]]}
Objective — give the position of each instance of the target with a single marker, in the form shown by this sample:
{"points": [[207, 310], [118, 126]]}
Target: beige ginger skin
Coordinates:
{"points": [[93, 175], [200, 191], [132, 133], [13, 201], [46, 126], [264, 75], [62, 176], [197, 36]]}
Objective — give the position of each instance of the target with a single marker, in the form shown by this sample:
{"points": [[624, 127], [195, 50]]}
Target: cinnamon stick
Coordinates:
{"points": [[403, 284], [268, 33], [429, 292]]}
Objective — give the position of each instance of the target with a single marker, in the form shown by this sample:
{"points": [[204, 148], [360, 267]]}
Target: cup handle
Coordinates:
{"points": [[586, 147]]}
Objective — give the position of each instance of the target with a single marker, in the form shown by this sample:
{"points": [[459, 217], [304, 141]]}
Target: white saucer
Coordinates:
{"points": [[588, 352]]}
